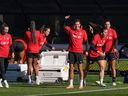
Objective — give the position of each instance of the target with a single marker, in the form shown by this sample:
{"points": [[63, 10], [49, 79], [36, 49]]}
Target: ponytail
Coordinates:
{"points": [[32, 30]]}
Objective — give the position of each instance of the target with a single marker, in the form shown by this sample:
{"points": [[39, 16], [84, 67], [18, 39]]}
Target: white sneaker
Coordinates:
{"points": [[6, 84], [37, 81], [29, 81], [84, 83], [98, 82], [114, 83], [103, 85], [1, 83]]}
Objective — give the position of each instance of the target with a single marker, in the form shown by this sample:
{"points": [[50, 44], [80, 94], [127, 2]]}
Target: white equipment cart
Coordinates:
{"points": [[54, 66]]}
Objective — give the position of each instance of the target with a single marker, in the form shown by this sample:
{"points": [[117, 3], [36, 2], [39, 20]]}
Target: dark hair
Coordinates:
{"points": [[44, 28], [106, 20], [3, 26], [32, 30], [96, 27], [77, 20]]}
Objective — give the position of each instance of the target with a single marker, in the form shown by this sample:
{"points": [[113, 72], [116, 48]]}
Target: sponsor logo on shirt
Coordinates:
{"points": [[101, 43], [4, 43], [77, 36]]}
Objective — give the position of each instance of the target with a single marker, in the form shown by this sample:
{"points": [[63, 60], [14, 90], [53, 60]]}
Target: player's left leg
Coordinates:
{"points": [[81, 75], [113, 70], [36, 70], [112, 62], [102, 65]]}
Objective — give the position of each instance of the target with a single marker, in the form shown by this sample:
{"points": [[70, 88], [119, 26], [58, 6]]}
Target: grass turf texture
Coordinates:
{"points": [[50, 89], [23, 89]]}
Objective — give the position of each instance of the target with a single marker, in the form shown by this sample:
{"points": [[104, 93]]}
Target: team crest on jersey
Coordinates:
{"points": [[80, 33], [109, 37], [110, 34], [7, 38], [75, 36]]}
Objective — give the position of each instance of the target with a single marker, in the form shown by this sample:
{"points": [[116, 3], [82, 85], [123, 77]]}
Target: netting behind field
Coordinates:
{"points": [[121, 65]]}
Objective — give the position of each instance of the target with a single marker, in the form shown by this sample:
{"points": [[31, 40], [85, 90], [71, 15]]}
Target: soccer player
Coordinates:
{"points": [[5, 45], [45, 31], [32, 39], [20, 48], [77, 35], [111, 49], [97, 54]]}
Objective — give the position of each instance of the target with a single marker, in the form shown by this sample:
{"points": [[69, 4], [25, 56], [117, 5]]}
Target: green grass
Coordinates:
{"points": [[23, 89]]}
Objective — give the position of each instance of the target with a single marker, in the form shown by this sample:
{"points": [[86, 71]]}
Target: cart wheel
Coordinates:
{"points": [[59, 80]]}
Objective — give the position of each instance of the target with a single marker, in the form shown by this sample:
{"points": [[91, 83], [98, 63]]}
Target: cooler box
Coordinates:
{"points": [[54, 66]]}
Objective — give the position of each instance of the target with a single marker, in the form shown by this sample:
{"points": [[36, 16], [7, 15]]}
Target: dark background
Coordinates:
{"points": [[18, 13]]}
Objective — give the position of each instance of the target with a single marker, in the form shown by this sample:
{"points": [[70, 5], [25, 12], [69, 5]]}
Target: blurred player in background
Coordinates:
{"points": [[111, 49], [45, 31]]}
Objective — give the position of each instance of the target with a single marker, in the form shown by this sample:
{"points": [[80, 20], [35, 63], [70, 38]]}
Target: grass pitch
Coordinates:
{"points": [[54, 89]]}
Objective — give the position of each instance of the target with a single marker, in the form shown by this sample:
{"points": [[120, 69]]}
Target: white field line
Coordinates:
{"points": [[75, 92]]}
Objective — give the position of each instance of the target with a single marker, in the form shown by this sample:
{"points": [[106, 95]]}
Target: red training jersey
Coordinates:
{"points": [[76, 39], [98, 44], [110, 38], [5, 43], [23, 42], [42, 39], [32, 47]]}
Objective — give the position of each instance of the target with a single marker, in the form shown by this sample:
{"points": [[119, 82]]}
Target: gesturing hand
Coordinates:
{"points": [[67, 17]]}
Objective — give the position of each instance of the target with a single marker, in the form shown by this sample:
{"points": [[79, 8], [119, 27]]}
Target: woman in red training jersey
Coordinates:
{"points": [[32, 39], [45, 31], [97, 53], [77, 35], [5, 45], [111, 49]]}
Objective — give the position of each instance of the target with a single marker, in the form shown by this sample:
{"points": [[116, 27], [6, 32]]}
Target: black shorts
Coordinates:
{"points": [[111, 56], [91, 60], [75, 58], [33, 55]]}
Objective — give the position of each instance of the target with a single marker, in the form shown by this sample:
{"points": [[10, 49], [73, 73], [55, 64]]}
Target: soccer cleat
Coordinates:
{"points": [[30, 81], [113, 83], [98, 82], [1, 83], [69, 87], [103, 85], [84, 83], [6, 84], [37, 81]]}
